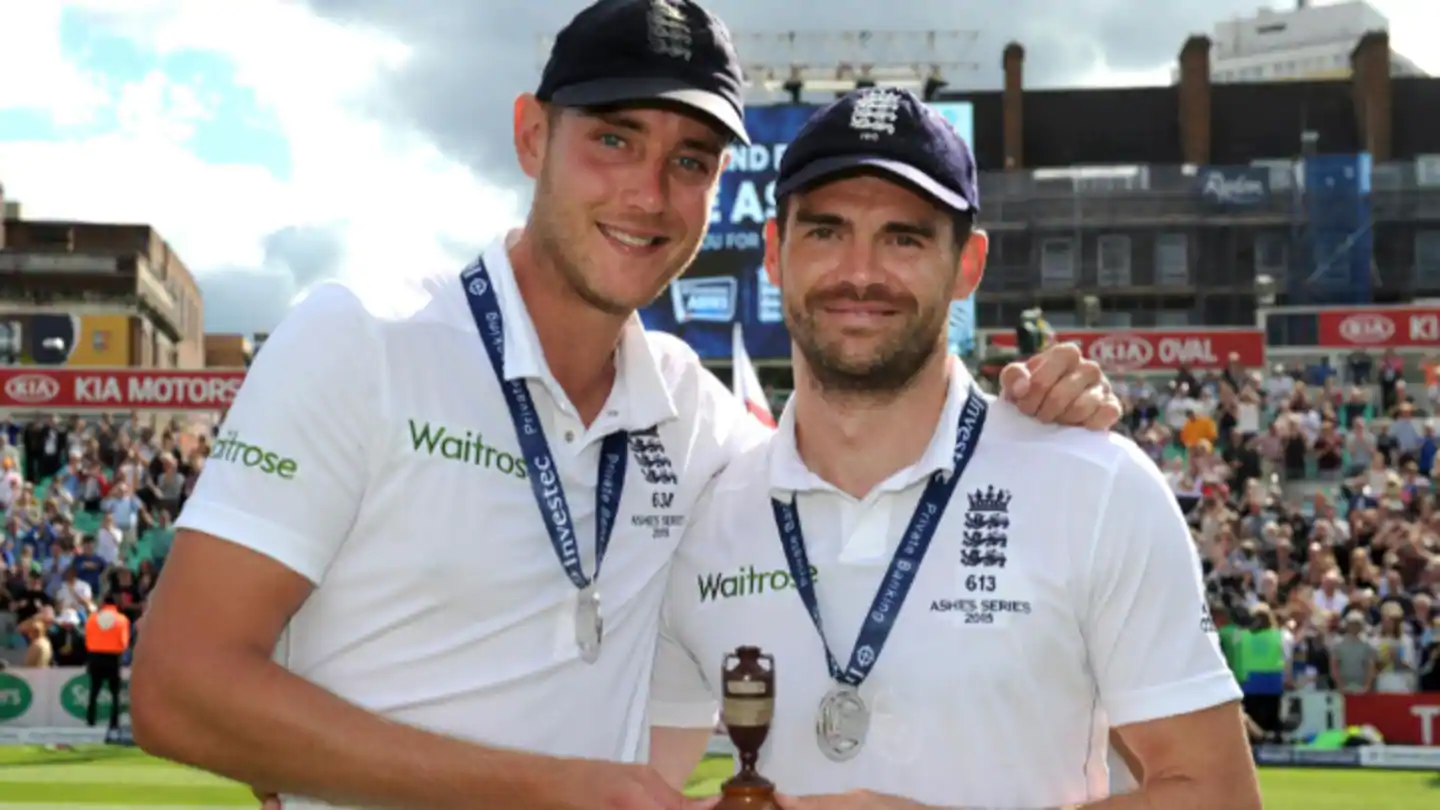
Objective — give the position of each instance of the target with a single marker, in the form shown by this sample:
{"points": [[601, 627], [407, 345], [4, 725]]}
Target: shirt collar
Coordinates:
{"points": [[788, 472], [640, 398]]}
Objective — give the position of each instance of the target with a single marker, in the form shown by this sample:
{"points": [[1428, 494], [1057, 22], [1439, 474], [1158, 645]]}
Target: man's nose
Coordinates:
{"points": [[649, 187], [861, 263]]}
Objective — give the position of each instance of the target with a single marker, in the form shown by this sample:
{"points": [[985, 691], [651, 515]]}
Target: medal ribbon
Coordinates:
{"points": [[544, 475], [904, 565]]}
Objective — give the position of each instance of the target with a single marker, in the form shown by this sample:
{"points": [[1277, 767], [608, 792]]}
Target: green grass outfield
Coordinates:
{"points": [[112, 778]]}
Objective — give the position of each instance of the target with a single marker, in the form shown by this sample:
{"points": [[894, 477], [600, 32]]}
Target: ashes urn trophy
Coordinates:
{"points": [[747, 679]]}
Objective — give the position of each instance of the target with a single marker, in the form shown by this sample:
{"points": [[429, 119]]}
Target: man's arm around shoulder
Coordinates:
{"points": [[1162, 678]]}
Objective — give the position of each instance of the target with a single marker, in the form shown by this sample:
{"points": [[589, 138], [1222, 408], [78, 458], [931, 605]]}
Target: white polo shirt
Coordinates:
{"points": [[371, 451], [1005, 669]]}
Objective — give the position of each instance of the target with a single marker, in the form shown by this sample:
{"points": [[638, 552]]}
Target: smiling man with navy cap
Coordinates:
{"points": [[619, 52], [961, 603], [417, 612]]}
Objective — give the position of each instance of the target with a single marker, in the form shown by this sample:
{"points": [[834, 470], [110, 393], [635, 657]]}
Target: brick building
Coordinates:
{"points": [[1191, 204]]}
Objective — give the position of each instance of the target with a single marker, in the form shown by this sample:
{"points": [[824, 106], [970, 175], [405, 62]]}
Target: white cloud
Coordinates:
{"points": [[394, 197], [48, 81], [126, 149]]}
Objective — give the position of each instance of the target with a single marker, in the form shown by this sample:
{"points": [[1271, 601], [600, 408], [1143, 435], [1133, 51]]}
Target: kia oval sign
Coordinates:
{"points": [[1367, 328], [1121, 352], [32, 389], [1149, 350]]}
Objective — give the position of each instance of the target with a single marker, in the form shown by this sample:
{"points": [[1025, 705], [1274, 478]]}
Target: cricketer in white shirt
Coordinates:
{"points": [[1060, 598], [413, 488], [961, 604], [399, 490]]}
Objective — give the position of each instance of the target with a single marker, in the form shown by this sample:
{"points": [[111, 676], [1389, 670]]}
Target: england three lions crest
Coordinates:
{"points": [[987, 525]]}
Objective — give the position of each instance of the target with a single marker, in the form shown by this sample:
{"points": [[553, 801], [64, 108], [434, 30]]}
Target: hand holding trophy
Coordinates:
{"points": [[747, 680]]}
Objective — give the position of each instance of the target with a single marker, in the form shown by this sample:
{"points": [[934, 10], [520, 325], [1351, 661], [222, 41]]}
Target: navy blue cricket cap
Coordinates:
{"points": [[637, 51], [886, 130]]}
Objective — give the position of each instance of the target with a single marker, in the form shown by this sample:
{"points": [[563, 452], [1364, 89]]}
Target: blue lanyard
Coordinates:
{"points": [[904, 566], [544, 475]]}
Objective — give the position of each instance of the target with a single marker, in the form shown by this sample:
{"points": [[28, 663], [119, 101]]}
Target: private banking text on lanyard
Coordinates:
{"points": [[843, 719], [545, 476]]}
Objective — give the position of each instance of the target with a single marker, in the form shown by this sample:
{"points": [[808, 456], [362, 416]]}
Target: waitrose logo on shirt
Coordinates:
{"points": [[465, 447], [232, 449], [745, 581]]}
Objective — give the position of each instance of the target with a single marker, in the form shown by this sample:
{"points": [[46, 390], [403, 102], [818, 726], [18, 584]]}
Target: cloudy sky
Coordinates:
{"points": [[275, 143]]}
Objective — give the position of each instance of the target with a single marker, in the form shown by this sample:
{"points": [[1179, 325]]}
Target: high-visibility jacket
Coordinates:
{"points": [[107, 631], [1262, 656]]}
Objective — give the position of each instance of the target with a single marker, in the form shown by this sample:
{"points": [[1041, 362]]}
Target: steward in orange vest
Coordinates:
{"points": [[107, 637]]}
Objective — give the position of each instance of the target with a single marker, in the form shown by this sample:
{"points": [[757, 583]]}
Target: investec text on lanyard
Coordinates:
{"points": [[544, 476], [844, 719]]}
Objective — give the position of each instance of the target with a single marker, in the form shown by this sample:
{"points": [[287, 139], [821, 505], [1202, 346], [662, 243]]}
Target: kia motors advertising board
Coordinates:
{"points": [[66, 389], [1160, 349], [1379, 327]]}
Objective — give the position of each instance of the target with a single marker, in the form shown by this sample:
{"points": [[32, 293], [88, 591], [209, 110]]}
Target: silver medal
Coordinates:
{"points": [[589, 625], [842, 723]]}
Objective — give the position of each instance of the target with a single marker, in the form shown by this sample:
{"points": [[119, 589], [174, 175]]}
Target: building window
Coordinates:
{"points": [[1172, 318], [1112, 257], [1057, 263], [1114, 319], [1062, 320], [1427, 259], [1272, 256], [1172, 260], [1427, 170]]}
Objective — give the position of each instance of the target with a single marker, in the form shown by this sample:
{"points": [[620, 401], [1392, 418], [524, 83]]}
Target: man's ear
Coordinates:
{"points": [[532, 133], [772, 251], [972, 264]]}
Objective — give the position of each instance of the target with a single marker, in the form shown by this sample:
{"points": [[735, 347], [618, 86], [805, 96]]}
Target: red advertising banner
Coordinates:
{"points": [[61, 389], [1160, 349], [1379, 327], [1400, 719]]}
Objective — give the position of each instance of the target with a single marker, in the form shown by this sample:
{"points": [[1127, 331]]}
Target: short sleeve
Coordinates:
{"points": [[287, 471], [736, 428], [1148, 630], [680, 695]]}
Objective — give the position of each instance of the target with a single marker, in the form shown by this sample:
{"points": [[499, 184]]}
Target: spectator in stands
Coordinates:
{"points": [[45, 447], [67, 639], [1199, 427], [1396, 654], [11, 482], [125, 509], [89, 565], [1354, 661], [74, 594], [36, 631], [167, 487], [1429, 672], [109, 539]]}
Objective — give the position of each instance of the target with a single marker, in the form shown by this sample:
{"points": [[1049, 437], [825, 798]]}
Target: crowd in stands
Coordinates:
{"points": [[86, 508], [1308, 489], [1309, 493]]}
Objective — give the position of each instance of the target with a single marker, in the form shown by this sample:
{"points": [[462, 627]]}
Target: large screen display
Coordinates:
{"points": [[727, 282]]}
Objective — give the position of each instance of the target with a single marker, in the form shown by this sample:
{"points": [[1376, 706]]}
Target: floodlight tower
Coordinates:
{"points": [[796, 62]]}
